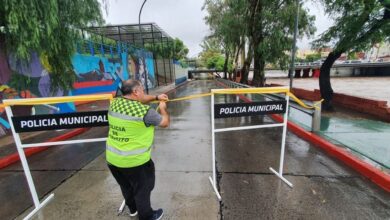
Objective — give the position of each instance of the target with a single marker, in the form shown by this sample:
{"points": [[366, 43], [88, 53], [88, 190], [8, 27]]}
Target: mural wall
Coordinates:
{"points": [[141, 67], [95, 74]]}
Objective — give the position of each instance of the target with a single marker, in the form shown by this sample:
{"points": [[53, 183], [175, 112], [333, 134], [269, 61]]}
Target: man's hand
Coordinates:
{"points": [[162, 97]]}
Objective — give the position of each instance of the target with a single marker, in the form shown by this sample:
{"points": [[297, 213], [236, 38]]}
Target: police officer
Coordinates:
{"points": [[129, 145]]}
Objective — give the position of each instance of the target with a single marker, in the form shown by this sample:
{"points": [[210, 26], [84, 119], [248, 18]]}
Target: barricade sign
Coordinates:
{"points": [[249, 109], [50, 122], [60, 121]]}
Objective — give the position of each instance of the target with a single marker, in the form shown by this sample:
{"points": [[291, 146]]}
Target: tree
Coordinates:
{"points": [[271, 33], [49, 28], [224, 23], [266, 28], [358, 25], [211, 59]]}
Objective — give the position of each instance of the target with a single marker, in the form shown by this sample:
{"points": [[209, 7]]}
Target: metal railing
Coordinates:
{"points": [[315, 113]]}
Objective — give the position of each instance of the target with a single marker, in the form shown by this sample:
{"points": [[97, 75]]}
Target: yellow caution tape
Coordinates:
{"points": [[302, 103], [267, 90], [54, 100]]}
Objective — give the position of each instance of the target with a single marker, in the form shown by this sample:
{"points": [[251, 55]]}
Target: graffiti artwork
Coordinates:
{"points": [[140, 65], [95, 74]]}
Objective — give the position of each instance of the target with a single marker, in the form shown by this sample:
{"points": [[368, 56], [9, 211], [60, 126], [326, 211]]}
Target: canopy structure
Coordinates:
{"points": [[136, 34]]}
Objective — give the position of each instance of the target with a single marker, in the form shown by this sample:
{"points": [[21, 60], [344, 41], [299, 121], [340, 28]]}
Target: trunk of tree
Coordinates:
{"points": [[235, 64], [258, 71], [5, 71], [246, 66], [252, 17], [324, 80], [225, 65], [241, 56]]}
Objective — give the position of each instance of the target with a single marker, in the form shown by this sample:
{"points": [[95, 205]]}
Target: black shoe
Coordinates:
{"points": [[157, 214]]}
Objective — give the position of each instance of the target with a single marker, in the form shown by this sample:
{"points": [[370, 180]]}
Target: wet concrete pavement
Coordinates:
{"points": [[323, 188], [49, 169], [183, 164]]}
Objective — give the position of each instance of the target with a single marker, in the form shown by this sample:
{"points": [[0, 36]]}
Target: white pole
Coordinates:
{"points": [[213, 181], [122, 207], [23, 159], [213, 141], [284, 136], [47, 144]]}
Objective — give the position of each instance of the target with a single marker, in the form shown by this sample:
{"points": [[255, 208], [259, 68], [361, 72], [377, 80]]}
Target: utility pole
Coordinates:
{"points": [[294, 48], [142, 40]]}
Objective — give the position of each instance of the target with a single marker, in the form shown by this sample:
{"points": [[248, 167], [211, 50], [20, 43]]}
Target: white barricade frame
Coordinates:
{"points": [[20, 146], [236, 91]]}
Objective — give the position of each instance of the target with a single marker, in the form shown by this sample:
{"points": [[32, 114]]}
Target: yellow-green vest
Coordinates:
{"points": [[129, 141]]}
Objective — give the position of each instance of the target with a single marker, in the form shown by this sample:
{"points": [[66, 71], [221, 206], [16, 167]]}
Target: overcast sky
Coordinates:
{"points": [[184, 19]]}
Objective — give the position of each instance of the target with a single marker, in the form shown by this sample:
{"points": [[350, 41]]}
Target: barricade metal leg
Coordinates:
{"points": [[213, 181], [122, 207], [281, 162], [38, 205]]}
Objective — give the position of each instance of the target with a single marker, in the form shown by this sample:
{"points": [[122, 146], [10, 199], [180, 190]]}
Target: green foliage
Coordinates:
{"points": [[352, 56], [358, 24], [172, 49], [209, 58], [19, 82], [225, 21], [216, 62], [49, 28], [102, 40], [313, 57]]}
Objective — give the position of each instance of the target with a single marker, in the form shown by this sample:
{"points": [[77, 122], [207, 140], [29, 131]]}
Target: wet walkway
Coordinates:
{"points": [[323, 188], [366, 138]]}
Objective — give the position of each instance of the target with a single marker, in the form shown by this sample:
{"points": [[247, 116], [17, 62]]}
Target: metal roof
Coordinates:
{"points": [[151, 33]]}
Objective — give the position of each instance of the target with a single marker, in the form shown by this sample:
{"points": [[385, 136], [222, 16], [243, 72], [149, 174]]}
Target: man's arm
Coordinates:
{"points": [[148, 98], [164, 114]]}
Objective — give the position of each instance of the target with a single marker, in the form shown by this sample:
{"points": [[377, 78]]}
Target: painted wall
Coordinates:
{"points": [[181, 73], [141, 64], [95, 74]]}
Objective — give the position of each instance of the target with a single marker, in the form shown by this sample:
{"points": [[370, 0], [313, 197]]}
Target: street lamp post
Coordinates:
{"points": [[142, 40], [294, 48]]}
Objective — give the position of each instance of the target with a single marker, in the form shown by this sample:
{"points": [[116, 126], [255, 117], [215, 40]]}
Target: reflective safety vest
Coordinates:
{"points": [[129, 140]]}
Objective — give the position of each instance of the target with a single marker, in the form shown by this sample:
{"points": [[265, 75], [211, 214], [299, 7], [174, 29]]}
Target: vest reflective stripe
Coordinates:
{"points": [[127, 153], [124, 117]]}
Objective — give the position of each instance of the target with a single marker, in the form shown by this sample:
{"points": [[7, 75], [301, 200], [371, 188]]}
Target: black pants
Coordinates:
{"points": [[136, 184]]}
